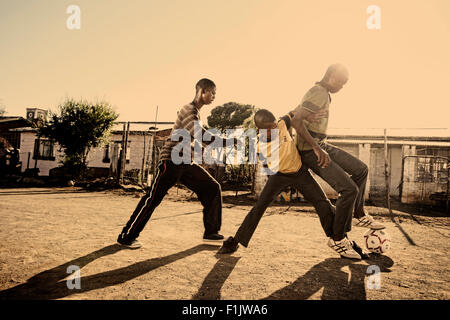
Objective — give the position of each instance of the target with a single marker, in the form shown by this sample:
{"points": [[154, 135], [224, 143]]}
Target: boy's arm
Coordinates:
{"points": [[300, 114], [287, 119], [190, 126]]}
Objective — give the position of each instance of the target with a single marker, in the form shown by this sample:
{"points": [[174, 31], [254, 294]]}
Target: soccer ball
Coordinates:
{"points": [[377, 241]]}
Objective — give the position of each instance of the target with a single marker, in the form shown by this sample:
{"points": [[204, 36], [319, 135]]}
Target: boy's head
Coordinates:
{"points": [[264, 119], [335, 77], [205, 90]]}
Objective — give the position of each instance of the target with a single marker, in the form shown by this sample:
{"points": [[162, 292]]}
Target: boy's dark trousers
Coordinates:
{"points": [[306, 185], [168, 174], [345, 174]]}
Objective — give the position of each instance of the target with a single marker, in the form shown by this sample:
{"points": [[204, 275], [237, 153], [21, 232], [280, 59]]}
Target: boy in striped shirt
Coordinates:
{"points": [[187, 173]]}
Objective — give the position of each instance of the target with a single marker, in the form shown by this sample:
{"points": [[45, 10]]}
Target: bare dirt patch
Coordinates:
{"points": [[45, 230]]}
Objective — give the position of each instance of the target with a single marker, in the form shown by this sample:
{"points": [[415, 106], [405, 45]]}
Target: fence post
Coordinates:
{"points": [[141, 175], [448, 185], [124, 151], [120, 166], [386, 174]]}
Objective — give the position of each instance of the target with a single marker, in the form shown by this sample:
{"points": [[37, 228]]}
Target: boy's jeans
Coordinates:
{"points": [[345, 174], [306, 185]]}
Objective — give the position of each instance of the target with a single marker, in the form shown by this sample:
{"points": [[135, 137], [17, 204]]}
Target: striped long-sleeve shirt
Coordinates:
{"points": [[186, 118]]}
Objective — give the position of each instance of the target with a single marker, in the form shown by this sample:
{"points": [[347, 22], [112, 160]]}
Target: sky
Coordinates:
{"points": [[142, 54]]}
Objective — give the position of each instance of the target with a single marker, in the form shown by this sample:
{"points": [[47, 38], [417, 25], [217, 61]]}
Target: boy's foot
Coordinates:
{"points": [[344, 248], [229, 246], [213, 237], [368, 222], [133, 244], [359, 250]]}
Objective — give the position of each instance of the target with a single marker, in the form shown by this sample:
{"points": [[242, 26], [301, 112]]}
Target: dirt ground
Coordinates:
{"points": [[46, 230]]}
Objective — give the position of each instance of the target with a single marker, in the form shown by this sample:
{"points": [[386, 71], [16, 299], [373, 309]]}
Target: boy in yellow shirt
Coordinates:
{"points": [[288, 171]]}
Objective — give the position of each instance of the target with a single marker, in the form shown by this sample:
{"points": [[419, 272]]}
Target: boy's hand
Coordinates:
{"points": [[323, 159]]}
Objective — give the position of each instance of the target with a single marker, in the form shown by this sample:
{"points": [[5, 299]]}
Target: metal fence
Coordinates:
{"points": [[139, 164], [425, 179]]}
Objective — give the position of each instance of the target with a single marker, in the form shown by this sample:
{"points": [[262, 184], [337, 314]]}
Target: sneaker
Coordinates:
{"points": [[359, 250], [229, 246], [133, 244], [344, 248], [368, 222], [213, 237]]}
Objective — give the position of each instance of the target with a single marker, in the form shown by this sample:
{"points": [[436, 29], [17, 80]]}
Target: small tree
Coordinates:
{"points": [[231, 115], [78, 127]]}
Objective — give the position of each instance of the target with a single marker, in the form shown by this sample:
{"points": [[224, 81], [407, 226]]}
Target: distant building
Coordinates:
{"points": [[417, 166], [43, 154], [7, 124], [37, 114]]}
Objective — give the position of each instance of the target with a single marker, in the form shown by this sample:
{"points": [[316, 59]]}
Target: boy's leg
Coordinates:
{"points": [[331, 223], [339, 180], [209, 193], [166, 177], [273, 186], [312, 192], [357, 170]]}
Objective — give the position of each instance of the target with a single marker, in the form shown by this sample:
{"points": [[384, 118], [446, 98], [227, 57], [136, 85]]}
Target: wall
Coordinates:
{"points": [[27, 147], [395, 169]]}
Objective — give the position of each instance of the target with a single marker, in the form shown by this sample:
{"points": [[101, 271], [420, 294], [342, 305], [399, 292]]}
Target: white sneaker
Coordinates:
{"points": [[135, 244], [368, 222], [344, 248]]}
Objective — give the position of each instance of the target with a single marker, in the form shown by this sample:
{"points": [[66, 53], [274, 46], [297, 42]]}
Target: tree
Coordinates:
{"points": [[78, 127], [230, 116]]}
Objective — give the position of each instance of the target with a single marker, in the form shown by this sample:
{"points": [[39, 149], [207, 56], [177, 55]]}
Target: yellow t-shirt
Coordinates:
{"points": [[282, 156]]}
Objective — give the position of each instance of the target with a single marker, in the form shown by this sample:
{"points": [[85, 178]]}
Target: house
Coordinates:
{"points": [[6, 132], [42, 154]]}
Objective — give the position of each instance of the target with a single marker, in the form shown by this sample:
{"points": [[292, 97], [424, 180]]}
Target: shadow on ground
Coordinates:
{"points": [[211, 286], [329, 276], [49, 284]]}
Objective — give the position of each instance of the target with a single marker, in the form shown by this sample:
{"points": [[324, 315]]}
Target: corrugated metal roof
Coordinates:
{"points": [[13, 122], [9, 119]]}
